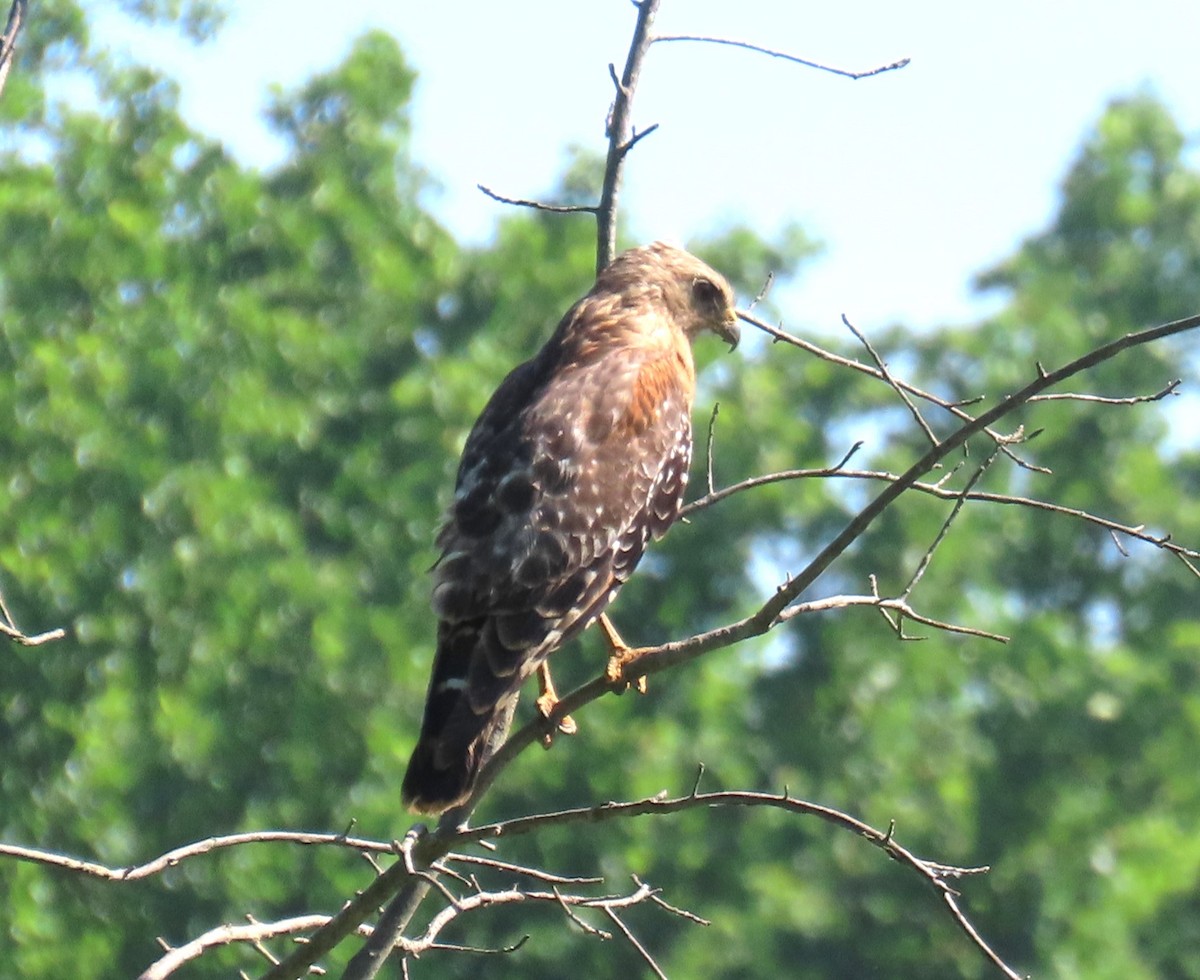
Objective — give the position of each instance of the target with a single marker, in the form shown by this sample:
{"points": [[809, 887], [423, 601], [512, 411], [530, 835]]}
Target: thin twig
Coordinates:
{"points": [[31, 641], [708, 454], [733, 43], [926, 558], [521, 869], [898, 605], [674, 910], [633, 941], [1170, 389], [482, 950], [887, 376], [538, 205], [574, 916], [762, 293]]}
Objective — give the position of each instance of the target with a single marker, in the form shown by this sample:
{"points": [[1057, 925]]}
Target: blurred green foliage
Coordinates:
{"points": [[234, 403]]}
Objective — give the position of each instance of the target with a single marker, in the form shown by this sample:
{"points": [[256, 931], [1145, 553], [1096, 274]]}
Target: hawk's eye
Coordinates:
{"points": [[706, 292]]}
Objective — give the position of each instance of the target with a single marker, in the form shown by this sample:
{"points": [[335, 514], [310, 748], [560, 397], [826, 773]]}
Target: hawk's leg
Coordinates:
{"points": [[620, 654], [548, 700]]}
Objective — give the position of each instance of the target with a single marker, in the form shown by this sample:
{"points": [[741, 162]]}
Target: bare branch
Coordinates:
{"points": [[1170, 389], [253, 932], [587, 927], [633, 941], [538, 205], [483, 950], [8, 40], [731, 42], [886, 375], [419, 850], [923, 564], [934, 873], [708, 454], [643, 893], [621, 138], [762, 293], [682, 913], [8, 625], [521, 869], [1138, 532], [180, 854], [7, 629], [716, 496], [898, 605]]}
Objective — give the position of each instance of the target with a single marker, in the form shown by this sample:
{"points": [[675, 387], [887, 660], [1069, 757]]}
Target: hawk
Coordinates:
{"points": [[578, 460]]}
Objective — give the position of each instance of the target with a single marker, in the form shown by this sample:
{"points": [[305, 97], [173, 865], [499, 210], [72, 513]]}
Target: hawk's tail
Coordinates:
{"points": [[468, 712]]}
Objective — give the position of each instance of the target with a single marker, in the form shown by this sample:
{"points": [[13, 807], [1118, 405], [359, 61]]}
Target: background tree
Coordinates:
{"points": [[235, 401]]}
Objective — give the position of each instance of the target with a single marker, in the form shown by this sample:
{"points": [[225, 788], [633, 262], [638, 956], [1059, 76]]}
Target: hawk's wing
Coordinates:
{"points": [[580, 457]]}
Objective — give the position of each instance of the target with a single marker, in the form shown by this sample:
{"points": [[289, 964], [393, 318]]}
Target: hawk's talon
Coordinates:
{"points": [[620, 654], [614, 671], [546, 703]]}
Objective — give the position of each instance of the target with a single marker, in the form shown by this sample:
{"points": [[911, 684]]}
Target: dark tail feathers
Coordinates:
{"points": [[447, 760]]}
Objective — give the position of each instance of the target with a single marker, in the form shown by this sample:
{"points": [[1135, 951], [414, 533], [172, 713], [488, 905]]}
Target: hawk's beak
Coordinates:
{"points": [[730, 332]]}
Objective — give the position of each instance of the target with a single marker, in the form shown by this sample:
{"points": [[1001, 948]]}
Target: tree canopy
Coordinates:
{"points": [[234, 402]]}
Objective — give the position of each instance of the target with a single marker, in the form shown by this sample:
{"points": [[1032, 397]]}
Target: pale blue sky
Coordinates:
{"points": [[915, 179]]}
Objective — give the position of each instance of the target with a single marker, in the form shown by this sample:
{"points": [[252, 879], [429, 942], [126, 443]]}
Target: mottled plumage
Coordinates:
{"points": [[579, 459]]}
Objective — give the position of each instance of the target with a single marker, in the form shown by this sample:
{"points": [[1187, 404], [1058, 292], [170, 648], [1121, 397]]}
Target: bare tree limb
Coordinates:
{"points": [[1162, 393], [253, 932], [8, 40], [521, 869], [1138, 532], [934, 873], [175, 857], [621, 137], [898, 605], [568, 903], [747, 45], [538, 205], [9, 628], [708, 453]]}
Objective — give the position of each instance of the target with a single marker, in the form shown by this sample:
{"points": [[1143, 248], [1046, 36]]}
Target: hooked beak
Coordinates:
{"points": [[730, 332]]}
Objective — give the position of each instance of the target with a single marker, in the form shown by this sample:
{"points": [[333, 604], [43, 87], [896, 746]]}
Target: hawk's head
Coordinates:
{"points": [[696, 296]]}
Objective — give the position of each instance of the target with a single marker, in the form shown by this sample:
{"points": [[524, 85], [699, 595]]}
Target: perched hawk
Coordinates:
{"points": [[580, 457]]}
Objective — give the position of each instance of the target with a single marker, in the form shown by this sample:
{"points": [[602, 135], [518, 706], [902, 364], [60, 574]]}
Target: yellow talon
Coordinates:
{"points": [[620, 655], [546, 703]]}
